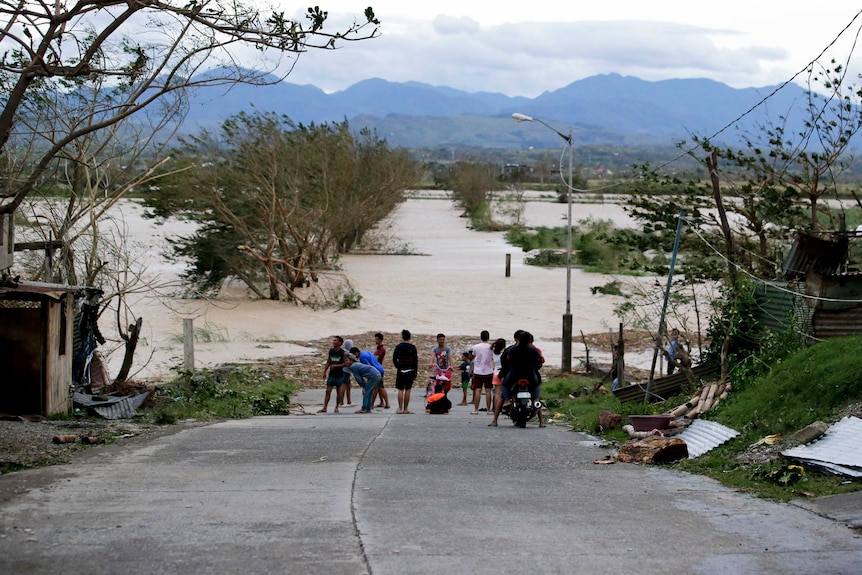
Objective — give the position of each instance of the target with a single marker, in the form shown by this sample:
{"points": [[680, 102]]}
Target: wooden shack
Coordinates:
{"points": [[36, 347]]}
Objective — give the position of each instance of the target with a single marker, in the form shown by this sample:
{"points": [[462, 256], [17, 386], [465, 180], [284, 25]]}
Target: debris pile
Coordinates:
{"points": [[677, 433], [707, 398]]}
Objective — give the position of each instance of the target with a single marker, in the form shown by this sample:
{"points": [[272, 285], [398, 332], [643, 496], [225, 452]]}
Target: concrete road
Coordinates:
{"points": [[395, 494]]}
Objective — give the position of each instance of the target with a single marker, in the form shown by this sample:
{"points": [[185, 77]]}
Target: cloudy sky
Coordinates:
{"points": [[526, 48]]}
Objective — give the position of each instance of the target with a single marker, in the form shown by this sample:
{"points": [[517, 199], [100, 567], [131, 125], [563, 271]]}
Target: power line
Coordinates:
{"points": [[745, 271]]}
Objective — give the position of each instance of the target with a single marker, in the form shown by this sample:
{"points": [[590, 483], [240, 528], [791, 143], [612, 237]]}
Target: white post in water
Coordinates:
{"points": [[188, 345]]}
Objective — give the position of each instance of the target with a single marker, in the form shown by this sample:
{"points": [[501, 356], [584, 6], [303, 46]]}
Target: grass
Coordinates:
{"points": [[230, 391], [813, 384]]}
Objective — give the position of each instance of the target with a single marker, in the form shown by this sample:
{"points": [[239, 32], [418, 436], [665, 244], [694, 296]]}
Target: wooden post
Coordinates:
{"points": [[508, 265], [621, 357], [188, 345]]}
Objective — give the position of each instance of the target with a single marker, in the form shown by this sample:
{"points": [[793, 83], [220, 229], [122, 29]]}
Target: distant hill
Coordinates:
{"points": [[607, 109]]}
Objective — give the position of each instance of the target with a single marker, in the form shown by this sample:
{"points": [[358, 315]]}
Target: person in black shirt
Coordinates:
{"points": [[405, 358]]}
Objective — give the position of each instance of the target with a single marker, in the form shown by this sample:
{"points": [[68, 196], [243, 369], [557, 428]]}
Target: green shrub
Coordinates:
{"points": [[230, 391]]}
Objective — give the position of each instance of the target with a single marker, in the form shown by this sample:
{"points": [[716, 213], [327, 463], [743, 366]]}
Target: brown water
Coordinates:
{"points": [[455, 284]]}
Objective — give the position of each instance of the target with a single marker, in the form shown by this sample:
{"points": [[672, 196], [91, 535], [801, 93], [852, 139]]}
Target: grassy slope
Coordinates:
{"points": [[814, 384], [809, 386]]}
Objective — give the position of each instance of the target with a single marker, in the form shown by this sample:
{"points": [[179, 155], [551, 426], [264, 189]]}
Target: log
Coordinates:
{"points": [[65, 438], [653, 450], [710, 397], [682, 409], [91, 440], [703, 393], [654, 433]]}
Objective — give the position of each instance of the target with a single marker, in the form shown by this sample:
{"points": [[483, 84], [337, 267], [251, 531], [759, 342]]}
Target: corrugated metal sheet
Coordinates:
{"points": [[662, 387], [112, 407], [836, 291], [702, 436], [780, 306], [837, 322], [837, 451], [25, 288], [812, 254]]}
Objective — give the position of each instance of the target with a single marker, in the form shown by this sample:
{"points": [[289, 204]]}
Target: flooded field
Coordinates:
{"points": [[452, 281]]}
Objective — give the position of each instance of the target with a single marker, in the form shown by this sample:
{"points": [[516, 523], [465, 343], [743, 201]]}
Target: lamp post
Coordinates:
{"points": [[566, 363]]}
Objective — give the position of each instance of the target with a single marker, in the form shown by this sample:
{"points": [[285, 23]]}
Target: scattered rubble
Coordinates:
{"points": [[837, 451], [657, 438]]}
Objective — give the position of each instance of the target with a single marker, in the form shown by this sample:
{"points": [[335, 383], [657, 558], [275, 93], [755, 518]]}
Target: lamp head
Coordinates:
{"points": [[518, 117]]}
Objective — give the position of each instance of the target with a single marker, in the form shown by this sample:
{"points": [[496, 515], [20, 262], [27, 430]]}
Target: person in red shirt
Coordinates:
{"points": [[380, 353]]}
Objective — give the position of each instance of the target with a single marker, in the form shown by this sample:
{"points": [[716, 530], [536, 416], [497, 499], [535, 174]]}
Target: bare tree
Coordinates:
{"points": [[145, 50], [277, 202]]}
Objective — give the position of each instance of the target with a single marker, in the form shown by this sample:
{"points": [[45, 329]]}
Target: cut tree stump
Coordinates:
{"points": [[653, 450]]}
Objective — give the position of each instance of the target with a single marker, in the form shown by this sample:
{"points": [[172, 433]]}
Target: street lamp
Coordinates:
{"points": [[566, 365]]}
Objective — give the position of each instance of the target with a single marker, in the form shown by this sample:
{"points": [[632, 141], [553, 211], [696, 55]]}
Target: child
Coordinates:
{"points": [[438, 403], [466, 365]]}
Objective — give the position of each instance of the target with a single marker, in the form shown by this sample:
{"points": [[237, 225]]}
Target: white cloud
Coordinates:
{"points": [[450, 25], [528, 58]]}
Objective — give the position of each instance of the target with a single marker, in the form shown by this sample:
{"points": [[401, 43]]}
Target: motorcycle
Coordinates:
{"points": [[523, 408]]}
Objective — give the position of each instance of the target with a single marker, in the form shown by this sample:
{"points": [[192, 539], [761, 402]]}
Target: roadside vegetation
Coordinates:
{"points": [[792, 388], [227, 392]]}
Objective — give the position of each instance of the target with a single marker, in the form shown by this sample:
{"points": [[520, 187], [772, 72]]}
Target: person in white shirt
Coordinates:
{"points": [[483, 372]]}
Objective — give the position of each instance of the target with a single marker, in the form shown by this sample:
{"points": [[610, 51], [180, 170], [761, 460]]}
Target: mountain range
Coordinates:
{"points": [[607, 109]]}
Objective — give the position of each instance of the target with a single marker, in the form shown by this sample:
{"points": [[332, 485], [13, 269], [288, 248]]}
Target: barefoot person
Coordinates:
{"points": [[405, 358], [334, 367]]}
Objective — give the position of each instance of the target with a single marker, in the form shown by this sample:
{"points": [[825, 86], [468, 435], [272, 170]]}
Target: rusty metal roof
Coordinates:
{"points": [[702, 436], [813, 254], [837, 451]]}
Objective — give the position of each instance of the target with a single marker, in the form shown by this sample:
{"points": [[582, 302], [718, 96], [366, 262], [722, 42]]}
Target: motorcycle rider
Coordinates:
{"points": [[520, 361]]}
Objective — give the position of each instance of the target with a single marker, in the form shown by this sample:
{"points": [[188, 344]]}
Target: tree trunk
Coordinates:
{"points": [[131, 344], [712, 165]]}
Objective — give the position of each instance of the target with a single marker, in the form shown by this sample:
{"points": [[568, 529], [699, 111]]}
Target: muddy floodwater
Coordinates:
{"points": [[452, 280]]}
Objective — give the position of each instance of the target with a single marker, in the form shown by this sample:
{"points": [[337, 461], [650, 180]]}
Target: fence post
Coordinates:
{"points": [[508, 265], [188, 345]]}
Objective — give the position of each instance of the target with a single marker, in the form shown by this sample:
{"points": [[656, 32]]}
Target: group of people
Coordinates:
{"points": [[345, 360], [486, 367]]}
